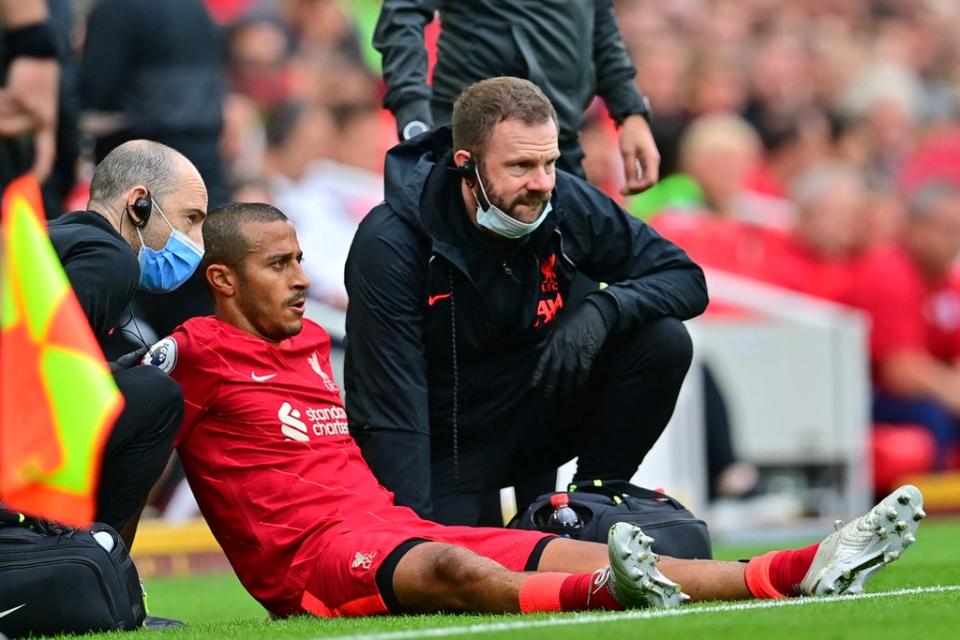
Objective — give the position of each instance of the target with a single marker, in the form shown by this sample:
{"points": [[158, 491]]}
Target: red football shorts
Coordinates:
{"points": [[344, 580]]}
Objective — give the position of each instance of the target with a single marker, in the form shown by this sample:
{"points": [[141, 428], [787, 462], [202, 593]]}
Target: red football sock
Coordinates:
{"points": [[778, 574], [541, 592], [567, 592], [585, 591]]}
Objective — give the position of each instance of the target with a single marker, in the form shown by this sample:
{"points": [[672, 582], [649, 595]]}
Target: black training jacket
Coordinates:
{"points": [[571, 49], [102, 268], [419, 273]]}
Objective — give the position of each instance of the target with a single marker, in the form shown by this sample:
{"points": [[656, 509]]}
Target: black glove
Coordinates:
{"points": [[565, 364], [128, 360]]}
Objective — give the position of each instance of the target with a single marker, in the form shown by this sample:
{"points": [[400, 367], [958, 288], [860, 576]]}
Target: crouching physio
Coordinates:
{"points": [[308, 529]]}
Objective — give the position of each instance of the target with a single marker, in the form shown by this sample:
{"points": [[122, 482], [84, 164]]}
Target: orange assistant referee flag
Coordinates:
{"points": [[58, 400]]}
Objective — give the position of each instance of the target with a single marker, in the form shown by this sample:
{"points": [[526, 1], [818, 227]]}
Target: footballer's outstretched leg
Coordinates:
{"points": [[845, 560], [574, 576]]}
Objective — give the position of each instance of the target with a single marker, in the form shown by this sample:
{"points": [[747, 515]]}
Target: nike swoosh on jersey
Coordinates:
{"points": [[4, 614], [432, 300], [257, 378]]}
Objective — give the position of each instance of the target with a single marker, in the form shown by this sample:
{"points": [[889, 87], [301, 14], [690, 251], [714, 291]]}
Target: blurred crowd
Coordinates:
{"points": [[813, 144]]}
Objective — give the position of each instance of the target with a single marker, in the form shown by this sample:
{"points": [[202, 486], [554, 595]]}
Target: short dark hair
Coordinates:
{"points": [[484, 104], [223, 240], [145, 162]]}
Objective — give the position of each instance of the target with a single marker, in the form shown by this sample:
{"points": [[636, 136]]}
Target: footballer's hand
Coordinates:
{"points": [[565, 364], [128, 360]]}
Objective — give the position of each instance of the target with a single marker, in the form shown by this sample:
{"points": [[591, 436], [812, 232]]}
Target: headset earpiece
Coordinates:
{"points": [[143, 207], [468, 171]]}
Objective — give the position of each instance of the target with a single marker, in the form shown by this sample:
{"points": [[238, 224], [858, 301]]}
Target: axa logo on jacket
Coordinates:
{"points": [[550, 300]]}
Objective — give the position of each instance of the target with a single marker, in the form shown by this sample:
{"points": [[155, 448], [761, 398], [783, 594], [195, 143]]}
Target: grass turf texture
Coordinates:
{"points": [[218, 607]]}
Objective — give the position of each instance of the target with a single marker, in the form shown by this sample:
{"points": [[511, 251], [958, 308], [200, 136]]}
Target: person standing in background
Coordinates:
{"points": [[63, 172], [28, 97], [572, 50], [152, 70]]}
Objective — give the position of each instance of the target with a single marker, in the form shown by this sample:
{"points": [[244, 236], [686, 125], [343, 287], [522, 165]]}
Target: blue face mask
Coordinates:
{"points": [[170, 267]]}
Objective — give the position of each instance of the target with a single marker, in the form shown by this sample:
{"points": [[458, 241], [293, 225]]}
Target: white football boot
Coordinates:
{"points": [[633, 576], [848, 558]]}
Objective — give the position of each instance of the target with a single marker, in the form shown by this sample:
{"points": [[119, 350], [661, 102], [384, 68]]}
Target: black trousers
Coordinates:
{"points": [[140, 444], [610, 425]]}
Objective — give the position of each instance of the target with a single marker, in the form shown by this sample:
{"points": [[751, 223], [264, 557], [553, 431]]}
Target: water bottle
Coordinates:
{"points": [[563, 518], [105, 540]]}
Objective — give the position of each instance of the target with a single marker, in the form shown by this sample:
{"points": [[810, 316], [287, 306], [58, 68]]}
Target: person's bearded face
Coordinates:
{"points": [[524, 204]]}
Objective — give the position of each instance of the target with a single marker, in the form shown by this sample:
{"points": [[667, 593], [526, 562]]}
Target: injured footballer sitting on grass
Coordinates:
{"points": [[308, 529]]}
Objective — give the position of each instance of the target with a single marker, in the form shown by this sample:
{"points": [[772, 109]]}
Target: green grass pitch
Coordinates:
{"points": [[917, 597]]}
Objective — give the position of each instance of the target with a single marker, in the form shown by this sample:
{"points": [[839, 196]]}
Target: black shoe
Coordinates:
{"points": [[156, 623]]}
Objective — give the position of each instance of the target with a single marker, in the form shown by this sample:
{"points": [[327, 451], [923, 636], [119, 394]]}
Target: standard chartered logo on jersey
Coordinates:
{"points": [[325, 421]]}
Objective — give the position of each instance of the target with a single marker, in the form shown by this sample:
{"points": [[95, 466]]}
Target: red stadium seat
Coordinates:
{"points": [[900, 450]]}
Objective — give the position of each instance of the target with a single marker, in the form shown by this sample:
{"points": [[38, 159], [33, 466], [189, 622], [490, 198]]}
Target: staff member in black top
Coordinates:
{"points": [[571, 49], [467, 366], [153, 70], [141, 229]]}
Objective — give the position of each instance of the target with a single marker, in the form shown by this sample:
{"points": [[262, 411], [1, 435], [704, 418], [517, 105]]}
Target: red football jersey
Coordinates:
{"points": [[265, 446], [906, 311], [793, 265]]}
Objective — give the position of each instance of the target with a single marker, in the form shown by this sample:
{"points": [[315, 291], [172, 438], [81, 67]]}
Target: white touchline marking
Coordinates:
{"points": [[491, 627]]}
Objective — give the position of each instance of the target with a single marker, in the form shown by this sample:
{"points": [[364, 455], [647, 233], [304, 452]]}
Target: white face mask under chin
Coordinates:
{"points": [[494, 219]]}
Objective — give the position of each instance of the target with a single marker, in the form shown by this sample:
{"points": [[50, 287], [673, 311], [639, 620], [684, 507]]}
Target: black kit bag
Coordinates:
{"points": [[55, 579], [602, 503]]}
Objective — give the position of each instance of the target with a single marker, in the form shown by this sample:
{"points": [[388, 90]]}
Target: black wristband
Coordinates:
{"points": [[643, 111], [35, 41]]}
